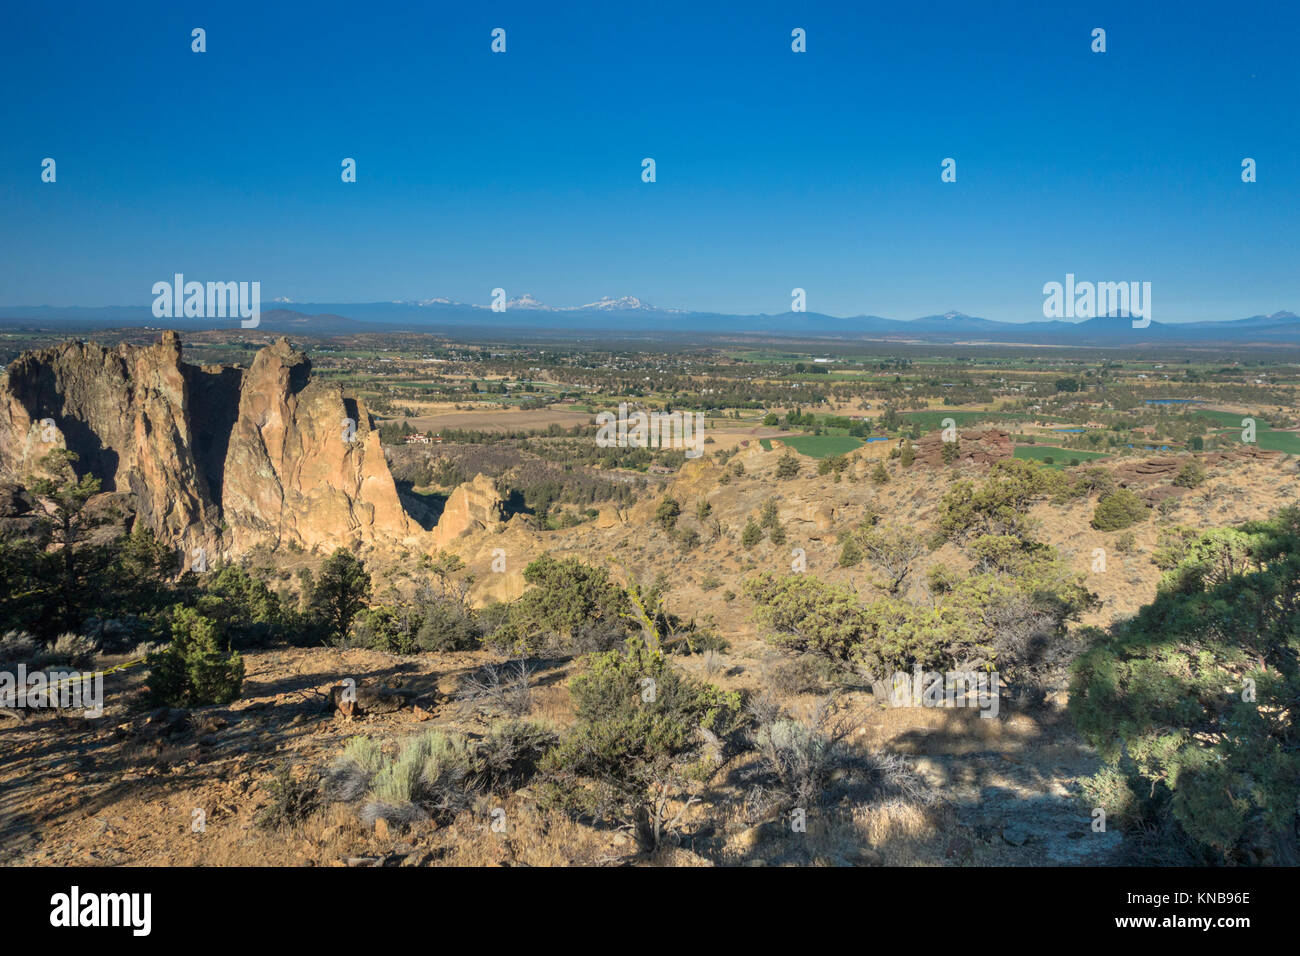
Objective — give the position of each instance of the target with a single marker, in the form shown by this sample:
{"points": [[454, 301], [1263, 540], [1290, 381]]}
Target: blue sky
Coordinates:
{"points": [[523, 170]]}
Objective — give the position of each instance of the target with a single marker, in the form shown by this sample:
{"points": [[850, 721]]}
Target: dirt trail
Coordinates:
{"points": [[1030, 811]]}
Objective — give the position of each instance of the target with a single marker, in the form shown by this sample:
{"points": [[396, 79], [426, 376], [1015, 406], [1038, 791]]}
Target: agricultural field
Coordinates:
{"points": [[1056, 457], [818, 446]]}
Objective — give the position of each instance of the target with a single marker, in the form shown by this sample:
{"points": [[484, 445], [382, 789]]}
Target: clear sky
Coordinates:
{"points": [[775, 169]]}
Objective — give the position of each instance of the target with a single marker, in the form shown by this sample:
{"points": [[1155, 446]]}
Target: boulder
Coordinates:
{"points": [[366, 699]]}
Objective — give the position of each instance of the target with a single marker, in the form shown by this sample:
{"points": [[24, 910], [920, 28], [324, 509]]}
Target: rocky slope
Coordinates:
{"points": [[214, 458]]}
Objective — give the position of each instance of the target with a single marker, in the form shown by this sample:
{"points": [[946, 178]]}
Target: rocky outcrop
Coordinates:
{"points": [[1147, 470], [215, 458], [474, 506], [822, 517], [875, 450], [304, 463], [499, 561], [1243, 453], [125, 413], [978, 447], [610, 516]]}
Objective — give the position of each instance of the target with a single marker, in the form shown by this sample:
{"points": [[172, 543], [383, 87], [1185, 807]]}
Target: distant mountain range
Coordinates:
{"points": [[628, 315]]}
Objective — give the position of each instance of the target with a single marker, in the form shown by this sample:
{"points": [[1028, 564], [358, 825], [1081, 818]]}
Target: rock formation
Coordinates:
{"points": [[980, 447], [1147, 470], [304, 463], [875, 450], [822, 517], [1242, 453], [218, 458], [473, 506]]}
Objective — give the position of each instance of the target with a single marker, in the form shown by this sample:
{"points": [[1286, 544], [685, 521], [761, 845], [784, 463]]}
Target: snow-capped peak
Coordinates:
{"points": [[526, 301], [606, 303]]}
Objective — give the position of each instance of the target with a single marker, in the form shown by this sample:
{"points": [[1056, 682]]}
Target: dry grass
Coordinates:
{"points": [[946, 731]]}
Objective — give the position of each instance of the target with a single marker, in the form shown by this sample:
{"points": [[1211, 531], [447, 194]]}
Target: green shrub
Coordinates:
{"points": [[567, 598], [436, 774], [1191, 475], [193, 670], [429, 777], [341, 590], [1112, 791], [511, 754], [1011, 610], [247, 611], [638, 742], [787, 466], [1118, 510], [1000, 504], [1093, 480], [292, 800], [447, 626], [1193, 699], [349, 776], [667, 512], [751, 535], [382, 628], [804, 613]]}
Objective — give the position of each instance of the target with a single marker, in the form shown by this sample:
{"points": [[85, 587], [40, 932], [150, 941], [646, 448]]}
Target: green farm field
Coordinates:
{"points": [[818, 446], [1060, 456]]}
